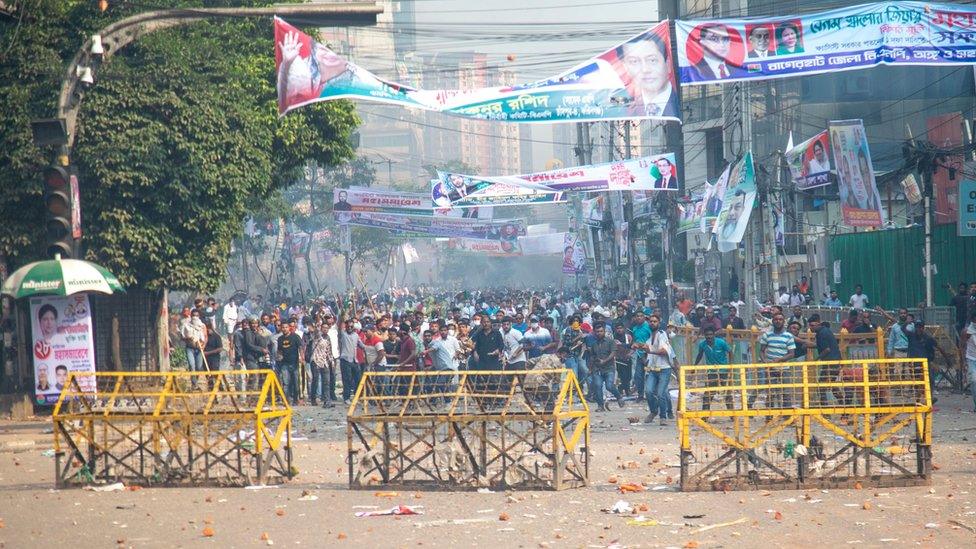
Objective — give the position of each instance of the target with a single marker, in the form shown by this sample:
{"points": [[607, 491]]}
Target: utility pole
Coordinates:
{"points": [[923, 156], [674, 142]]}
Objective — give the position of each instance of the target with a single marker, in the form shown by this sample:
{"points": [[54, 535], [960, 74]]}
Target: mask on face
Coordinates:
{"points": [[476, 322], [451, 332], [357, 325], [534, 325], [576, 325]]}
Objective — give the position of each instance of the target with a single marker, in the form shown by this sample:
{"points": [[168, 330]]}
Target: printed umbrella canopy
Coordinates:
{"points": [[60, 277]]}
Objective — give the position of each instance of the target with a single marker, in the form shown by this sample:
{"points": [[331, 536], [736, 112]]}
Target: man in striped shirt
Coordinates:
{"points": [[778, 346]]}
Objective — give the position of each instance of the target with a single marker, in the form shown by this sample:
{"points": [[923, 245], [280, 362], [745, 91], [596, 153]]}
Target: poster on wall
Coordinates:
{"points": [[61, 329], [809, 163], [633, 79], [855, 37], [859, 197], [740, 195]]}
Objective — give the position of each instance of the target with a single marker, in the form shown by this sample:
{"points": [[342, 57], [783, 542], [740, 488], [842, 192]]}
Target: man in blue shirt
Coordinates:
{"points": [[537, 336], [716, 353], [641, 331]]}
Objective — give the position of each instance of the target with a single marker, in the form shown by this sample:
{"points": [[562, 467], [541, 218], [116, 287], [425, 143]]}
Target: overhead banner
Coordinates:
{"points": [[856, 37], [859, 197], [436, 227], [499, 248], [392, 202], [808, 162], [63, 343], [543, 244], [740, 194], [459, 191], [651, 173], [574, 255], [631, 80]]}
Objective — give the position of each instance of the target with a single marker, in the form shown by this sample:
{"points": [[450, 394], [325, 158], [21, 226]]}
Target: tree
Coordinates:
{"points": [[178, 140]]}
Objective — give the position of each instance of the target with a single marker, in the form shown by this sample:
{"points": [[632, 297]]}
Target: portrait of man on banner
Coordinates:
{"points": [[644, 66], [740, 196], [715, 51]]}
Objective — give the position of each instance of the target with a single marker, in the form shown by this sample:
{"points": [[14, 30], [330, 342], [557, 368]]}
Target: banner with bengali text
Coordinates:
{"points": [[62, 343], [860, 201], [856, 37], [633, 79], [393, 202], [652, 173], [447, 227]]}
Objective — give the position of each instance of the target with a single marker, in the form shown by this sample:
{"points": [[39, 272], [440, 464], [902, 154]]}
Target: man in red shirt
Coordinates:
{"points": [[407, 360]]}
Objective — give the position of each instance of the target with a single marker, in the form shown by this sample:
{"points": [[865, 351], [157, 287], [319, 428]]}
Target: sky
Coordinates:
{"points": [[542, 36]]}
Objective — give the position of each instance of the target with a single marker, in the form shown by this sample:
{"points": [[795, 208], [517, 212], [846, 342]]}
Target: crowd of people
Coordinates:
{"points": [[621, 348]]}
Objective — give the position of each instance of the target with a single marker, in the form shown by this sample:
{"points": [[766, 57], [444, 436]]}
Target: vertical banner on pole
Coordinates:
{"points": [[61, 330], [859, 197]]}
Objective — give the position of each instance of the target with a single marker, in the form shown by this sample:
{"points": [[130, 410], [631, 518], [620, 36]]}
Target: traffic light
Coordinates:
{"points": [[58, 212]]}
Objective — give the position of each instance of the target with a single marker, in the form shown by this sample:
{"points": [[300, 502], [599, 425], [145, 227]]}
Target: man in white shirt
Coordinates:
{"points": [[783, 299], [859, 300], [514, 353], [230, 316], [968, 343], [333, 332]]}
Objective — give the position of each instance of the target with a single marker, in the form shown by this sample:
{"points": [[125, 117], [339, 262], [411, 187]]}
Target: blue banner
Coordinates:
{"points": [[857, 37], [634, 79]]}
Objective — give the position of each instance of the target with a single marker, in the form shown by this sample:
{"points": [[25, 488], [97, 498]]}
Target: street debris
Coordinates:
{"points": [[724, 524], [398, 510], [117, 487]]}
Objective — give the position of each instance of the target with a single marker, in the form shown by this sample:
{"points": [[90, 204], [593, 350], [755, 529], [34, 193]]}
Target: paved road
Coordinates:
{"points": [[33, 514]]}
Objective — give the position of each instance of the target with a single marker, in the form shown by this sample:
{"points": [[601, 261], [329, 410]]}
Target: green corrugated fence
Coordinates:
{"points": [[889, 264]]}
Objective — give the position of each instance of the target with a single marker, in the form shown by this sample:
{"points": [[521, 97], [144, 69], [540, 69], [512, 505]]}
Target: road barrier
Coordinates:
{"points": [[172, 428], [805, 424], [470, 429]]}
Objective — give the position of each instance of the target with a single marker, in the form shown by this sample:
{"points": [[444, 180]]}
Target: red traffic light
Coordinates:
{"points": [[56, 179]]}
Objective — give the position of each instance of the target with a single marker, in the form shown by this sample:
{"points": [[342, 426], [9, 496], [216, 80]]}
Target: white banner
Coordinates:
{"points": [[62, 343]]}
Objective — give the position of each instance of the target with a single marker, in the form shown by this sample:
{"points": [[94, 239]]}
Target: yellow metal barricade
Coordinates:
{"points": [[222, 427], [469, 429], [805, 424]]}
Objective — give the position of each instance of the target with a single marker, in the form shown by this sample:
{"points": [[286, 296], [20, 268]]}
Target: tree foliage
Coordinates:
{"points": [[176, 143]]}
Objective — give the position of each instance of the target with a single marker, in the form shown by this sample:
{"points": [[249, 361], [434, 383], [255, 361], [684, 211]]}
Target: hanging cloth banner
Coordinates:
{"points": [[651, 173], [391, 202], [808, 162], [451, 191], [437, 226], [574, 255], [691, 214], [499, 248], [856, 37], [634, 79], [593, 211], [860, 202], [740, 194]]}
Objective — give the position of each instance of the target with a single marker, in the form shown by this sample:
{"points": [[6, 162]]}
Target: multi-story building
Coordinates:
{"points": [[723, 121]]}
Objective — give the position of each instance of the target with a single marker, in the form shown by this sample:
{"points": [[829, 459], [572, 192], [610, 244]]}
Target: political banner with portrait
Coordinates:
{"points": [[593, 211], [452, 191], [651, 173], [740, 194], [508, 229], [855, 37], [392, 202], [859, 198], [633, 79], [691, 214], [574, 254], [808, 162], [61, 329]]}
